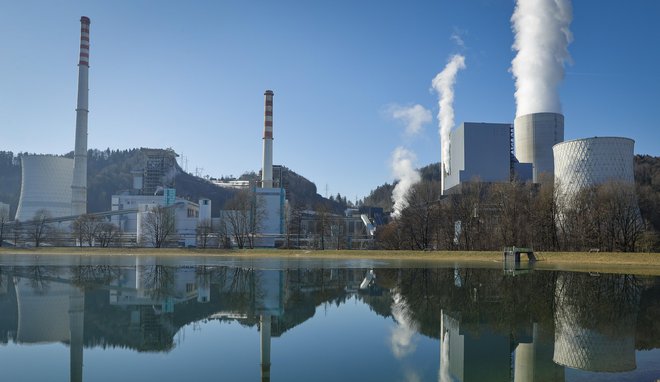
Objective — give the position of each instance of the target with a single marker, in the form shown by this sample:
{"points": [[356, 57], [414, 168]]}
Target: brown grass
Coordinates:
{"points": [[638, 263]]}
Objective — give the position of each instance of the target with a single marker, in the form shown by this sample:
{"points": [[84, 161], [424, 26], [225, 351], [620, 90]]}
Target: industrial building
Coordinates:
{"points": [[482, 152], [583, 163], [139, 207]]}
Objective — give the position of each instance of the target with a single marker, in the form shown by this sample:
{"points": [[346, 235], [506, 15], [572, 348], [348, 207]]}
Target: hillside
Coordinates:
{"points": [[109, 172]]}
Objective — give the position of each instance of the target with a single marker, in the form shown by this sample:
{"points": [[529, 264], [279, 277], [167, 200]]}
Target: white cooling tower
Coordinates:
{"points": [[590, 348], [534, 136], [45, 184], [583, 163]]}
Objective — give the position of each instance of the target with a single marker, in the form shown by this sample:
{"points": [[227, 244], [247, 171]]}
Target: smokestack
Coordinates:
{"points": [[267, 167], [79, 184]]}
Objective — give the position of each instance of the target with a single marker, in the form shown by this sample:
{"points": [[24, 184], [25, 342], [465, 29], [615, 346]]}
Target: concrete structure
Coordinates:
{"points": [[482, 151], [79, 183], [204, 209], [45, 184], [598, 343], [4, 211], [584, 163], [267, 165], [534, 136], [159, 171]]}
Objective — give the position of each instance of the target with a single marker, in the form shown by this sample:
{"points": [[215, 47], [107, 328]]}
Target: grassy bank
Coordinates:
{"points": [[641, 263]]}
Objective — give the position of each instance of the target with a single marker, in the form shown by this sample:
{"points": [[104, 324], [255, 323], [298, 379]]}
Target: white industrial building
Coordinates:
{"points": [[534, 136], [45, 185], [482, 151], [584, 163], [138, 207]]}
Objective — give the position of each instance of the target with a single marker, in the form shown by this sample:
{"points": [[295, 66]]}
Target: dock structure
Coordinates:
{"points": [[515, 252]]}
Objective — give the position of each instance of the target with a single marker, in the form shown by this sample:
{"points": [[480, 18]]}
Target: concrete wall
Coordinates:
{"points": [[535, 134], [479, 151]]}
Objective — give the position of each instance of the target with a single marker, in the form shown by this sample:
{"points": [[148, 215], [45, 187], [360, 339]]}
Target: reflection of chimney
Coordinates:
{"points": [[76, 330], [265, 347], [267, 167], [79, 184]]}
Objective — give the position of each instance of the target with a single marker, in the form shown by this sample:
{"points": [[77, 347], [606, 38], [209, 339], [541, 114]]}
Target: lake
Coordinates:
{"points": [[149, 318]]}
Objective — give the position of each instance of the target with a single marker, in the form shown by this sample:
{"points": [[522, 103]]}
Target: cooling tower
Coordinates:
{"points": [[583, 163], [534, 136], [45, 184], [588, 336]]}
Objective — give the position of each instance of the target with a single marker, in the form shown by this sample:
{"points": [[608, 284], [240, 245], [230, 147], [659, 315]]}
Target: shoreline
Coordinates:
{"points": [[607, 262]]}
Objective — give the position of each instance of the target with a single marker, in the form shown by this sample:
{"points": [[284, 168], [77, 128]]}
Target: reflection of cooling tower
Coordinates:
{"points": [[534, 136], [583, 163], [589, 341], [45, 184]]}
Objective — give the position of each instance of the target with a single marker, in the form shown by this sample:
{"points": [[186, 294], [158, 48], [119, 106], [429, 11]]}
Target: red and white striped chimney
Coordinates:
{"points": [[267, 167], [79, 184]]}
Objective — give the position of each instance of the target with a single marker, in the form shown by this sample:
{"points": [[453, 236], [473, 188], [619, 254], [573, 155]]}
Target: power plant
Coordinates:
{"points": [[53, 184]]}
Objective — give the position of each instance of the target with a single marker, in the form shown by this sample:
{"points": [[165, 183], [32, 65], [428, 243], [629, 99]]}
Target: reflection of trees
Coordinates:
{"points": [[605, 303], [39, 276], [94, 275], [158, 280]]}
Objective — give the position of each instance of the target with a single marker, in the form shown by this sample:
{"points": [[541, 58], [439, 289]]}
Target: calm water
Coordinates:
{"points": [[188, 319]]}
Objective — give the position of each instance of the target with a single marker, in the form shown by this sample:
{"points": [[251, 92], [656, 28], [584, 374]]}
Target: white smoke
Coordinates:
{"points": [[443, 373], [443, 83], [413, 117], [542, 37], [404, 171], [402, 338]]}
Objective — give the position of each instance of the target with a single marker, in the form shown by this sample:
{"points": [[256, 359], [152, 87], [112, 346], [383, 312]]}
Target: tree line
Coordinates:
{"points": [[489, 216]]}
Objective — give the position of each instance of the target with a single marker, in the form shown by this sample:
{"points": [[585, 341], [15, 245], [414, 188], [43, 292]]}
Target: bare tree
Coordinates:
{"points": [[84, 228], [4, 219], [158, 226], [106, 233], [38, 228], [204, 231], [244, 216], [17, 232]]}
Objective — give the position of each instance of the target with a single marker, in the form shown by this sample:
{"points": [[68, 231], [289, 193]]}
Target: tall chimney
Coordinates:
{"points": [[79, 185], [267, 168]]}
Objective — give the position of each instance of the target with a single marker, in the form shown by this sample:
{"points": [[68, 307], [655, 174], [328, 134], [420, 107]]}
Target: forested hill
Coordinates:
{"points": [[109, 172]]}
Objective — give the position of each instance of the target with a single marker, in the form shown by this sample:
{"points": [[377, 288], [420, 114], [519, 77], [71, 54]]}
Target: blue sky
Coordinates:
{"points": [[191, 76]]}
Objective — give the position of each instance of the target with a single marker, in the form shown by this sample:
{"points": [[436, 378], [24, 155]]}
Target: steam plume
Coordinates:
{"points": [[404, 171], [402, 341], [414, 117], [443, 83], [542, 37]]}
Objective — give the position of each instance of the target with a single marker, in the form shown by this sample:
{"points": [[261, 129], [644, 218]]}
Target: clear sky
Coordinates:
{"points": [[191, 75]]}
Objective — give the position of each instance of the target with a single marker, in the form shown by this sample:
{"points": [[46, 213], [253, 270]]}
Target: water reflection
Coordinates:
{"points": [[489, 326]]}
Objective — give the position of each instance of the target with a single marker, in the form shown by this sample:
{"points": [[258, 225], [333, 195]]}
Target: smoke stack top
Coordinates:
{"points": [[267, 164], [84, 41]]}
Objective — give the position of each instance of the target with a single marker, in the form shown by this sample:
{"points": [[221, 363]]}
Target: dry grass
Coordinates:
{"points": [[638, 263]]}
